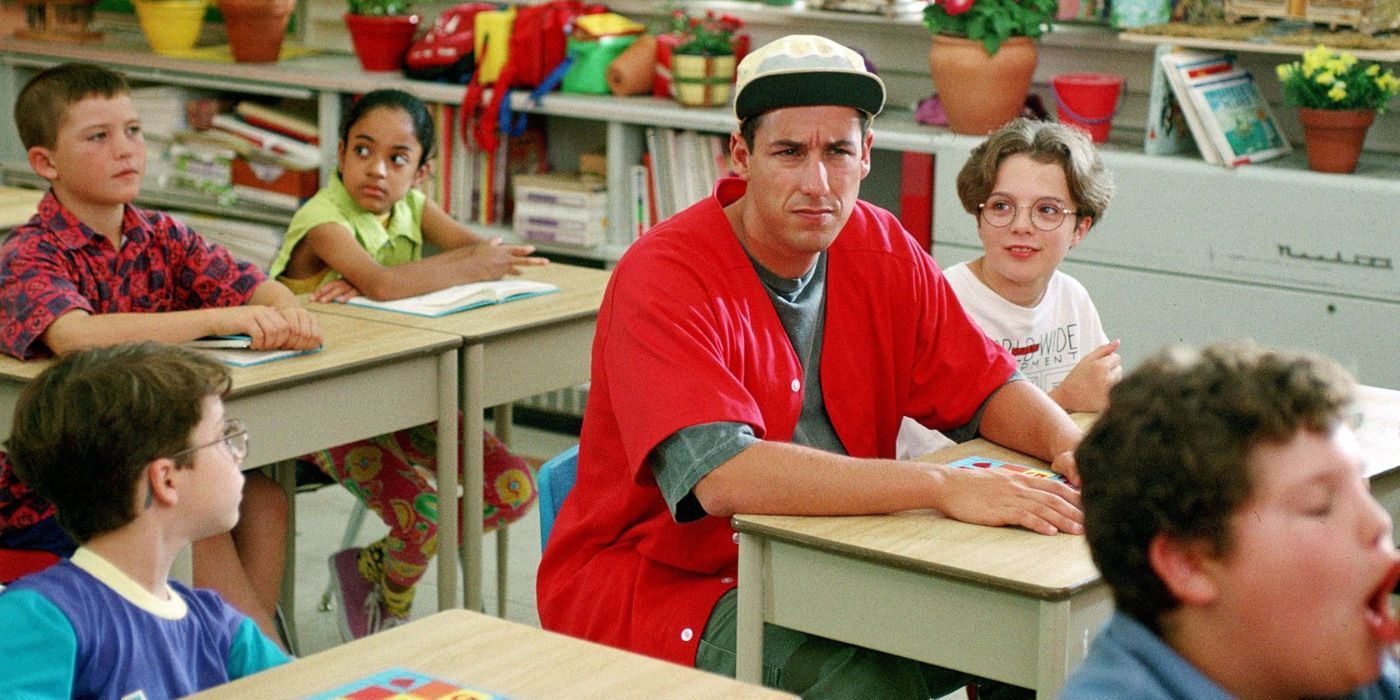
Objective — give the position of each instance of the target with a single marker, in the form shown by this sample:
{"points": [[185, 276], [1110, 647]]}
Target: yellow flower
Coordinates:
{"points": [[1337, 66], [1285, 71], [1348, 60], [1325, 78], [1373, 70], [1388, 82], [1317, 54], [1338, 92]]}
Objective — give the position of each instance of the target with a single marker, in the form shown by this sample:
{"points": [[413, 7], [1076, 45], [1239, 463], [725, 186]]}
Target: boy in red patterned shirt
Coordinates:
{"points": [[92, 270]]}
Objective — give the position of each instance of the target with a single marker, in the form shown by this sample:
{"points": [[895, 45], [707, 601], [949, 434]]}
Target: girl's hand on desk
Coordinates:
{"points": [[492, 260], [335, 291], [996, 497]]}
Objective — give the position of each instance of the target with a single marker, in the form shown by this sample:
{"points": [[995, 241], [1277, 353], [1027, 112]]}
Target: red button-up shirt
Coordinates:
{"points": [[54, 264]]}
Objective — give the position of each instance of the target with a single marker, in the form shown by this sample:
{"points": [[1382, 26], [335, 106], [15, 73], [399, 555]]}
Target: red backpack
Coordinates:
{"points": [[537, 58]]}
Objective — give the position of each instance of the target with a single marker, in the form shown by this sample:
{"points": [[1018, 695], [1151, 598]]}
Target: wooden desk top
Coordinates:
{"points": [[494, 655], [580, 294], [1049, 568], [349, 344], [17, 205]]}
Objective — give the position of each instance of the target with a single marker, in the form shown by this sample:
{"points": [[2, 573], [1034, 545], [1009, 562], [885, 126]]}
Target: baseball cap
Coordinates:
{"points": [[803, 70]]}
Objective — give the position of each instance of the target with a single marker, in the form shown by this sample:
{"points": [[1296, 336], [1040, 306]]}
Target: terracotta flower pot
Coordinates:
{"points": [[381, 42], [980, 93], [256, 28], [1334, 137], [701, 81]]}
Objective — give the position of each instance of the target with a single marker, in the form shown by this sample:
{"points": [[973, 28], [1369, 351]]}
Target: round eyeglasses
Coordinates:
{"points": [[235, 440], [1046, 214]]}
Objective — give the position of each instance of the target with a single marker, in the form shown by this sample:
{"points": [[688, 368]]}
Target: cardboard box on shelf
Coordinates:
{"points": [[265, 176]]}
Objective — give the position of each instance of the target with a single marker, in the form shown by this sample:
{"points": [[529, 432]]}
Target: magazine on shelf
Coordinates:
{"points": [[1229, 119], [460, 298], [1238, 118]]}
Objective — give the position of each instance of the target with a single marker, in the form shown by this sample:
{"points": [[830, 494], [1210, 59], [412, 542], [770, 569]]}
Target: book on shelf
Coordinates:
{"points": [[1166, 131], [298, 124], [245, 357], [1229, 119], [302, 156], [460, 298]]}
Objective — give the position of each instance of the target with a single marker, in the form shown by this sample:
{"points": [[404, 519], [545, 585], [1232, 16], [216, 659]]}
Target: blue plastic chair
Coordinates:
{"points": [[555, 480]]}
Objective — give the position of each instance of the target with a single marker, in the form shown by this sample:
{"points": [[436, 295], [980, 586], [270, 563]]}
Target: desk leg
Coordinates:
{"points": [[473, 379], [748, 648], [447, 470], [1053, 664]]}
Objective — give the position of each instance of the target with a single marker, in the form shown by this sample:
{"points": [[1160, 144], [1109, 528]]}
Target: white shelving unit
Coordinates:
{"points": [[1188, 251]]}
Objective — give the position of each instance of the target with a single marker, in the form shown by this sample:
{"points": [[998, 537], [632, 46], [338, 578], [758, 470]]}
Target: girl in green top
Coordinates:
{"points": [[363, 233]]}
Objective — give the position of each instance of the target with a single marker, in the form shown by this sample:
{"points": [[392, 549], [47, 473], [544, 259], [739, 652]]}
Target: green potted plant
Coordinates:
{"points": [[381, 31], [1337, 98], [703, 57], [983, 56]]}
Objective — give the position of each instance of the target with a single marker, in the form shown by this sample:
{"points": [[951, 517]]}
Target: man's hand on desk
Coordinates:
{"points": [[996, 497]]}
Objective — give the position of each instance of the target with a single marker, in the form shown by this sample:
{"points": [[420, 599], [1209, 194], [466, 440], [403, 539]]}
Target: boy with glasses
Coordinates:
{"points": [[132, 445], [1035, 188]]}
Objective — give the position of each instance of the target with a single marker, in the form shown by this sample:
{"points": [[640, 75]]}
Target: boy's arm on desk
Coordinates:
{"points": [[268, 326]]}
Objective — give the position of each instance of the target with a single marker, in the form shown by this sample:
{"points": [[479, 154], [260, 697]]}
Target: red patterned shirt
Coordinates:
{"points": [[54, 264]]}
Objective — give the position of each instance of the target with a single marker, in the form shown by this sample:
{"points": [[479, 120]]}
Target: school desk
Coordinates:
{"points": [[998, 602], [490, 654], [512, 351], [17, 205], [369, 378]]}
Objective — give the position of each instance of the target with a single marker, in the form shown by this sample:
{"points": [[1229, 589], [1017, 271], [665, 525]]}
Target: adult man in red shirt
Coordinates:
{"points": [[754, 354]]}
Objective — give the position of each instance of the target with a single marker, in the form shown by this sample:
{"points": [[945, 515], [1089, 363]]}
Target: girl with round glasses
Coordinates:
{"points": [[1034, 189]]}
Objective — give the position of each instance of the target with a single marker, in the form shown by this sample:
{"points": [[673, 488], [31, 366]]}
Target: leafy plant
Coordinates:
{"points": [[990, 21], [1326, 79], [711, 35], [379, 8]]}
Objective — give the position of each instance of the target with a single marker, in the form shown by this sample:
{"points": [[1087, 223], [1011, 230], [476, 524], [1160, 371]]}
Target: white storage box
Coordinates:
{"points": [[566, 225], [560, 190]]}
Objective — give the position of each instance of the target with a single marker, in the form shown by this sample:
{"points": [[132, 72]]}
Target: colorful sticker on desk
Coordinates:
{"points": [[403, 684], [975, 462]]}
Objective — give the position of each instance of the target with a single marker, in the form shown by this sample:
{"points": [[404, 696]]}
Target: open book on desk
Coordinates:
{"points": [[460, 298], [237, 356]]}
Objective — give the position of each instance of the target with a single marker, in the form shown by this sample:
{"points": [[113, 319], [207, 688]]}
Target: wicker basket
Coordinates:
{"points": [[1366, 16], [888, 8]]}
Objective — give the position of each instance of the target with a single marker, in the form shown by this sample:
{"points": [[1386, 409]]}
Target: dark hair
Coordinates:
{"points": [[1169, 456], [1090, 183], [85, 428], [43, 103], [749, 126], [394, 99]]}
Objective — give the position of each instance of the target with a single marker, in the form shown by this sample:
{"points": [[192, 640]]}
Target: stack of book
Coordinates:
{"points": [[561, 208], [681, 168]]}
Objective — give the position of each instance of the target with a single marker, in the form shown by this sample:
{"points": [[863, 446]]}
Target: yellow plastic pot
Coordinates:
{"points": [[171, 26]]}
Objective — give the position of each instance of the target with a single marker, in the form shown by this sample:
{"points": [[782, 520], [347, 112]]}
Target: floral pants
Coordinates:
{"points": [[390, 474]]}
